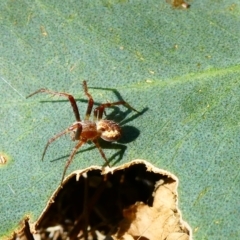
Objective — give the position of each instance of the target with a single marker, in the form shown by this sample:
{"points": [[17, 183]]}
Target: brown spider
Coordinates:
{"points": [[87, 130]]}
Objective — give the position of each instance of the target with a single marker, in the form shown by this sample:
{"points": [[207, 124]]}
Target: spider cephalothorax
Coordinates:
{"points": [[87, 130]]}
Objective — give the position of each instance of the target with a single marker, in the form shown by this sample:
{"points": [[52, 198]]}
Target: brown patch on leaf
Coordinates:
{"points": [[43, 31], [133, 201], [4, 158], [179, 3]]}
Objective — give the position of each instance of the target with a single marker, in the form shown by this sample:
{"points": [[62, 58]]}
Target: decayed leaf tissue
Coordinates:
{"points": [[135, 201], [160, 221]]}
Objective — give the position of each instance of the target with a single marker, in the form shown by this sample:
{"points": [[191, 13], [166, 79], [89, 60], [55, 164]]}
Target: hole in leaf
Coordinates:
{"points": [[133, 201]]}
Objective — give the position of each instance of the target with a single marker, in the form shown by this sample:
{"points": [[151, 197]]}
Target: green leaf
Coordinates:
{"points": [[179, 67]]}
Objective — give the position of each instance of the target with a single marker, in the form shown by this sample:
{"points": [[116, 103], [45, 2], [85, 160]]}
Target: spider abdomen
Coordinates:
{"points": [[109, 130]]}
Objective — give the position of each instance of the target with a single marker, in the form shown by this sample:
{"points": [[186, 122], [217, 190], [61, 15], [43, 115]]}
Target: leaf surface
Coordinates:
{"points": [[179, 68]]}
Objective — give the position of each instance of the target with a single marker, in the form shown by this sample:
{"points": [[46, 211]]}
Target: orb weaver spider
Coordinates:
{"points": [[87, 130]]}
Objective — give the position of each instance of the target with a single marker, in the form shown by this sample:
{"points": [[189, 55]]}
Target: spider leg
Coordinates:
{"points": [[98, 111], [78, 145], [90, 100], [101, 151], [70, 98], [77, 126]]}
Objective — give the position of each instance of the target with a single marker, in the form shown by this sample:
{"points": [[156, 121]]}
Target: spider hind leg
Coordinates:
{"points": [[74, 151], [98, 111], [101, 152]]}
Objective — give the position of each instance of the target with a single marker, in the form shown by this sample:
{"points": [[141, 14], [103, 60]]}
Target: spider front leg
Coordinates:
{"points": [[70, 98], [98, 111]]}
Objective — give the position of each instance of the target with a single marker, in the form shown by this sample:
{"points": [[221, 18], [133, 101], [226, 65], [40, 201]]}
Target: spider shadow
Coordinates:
{"points": [[129, 133], [104, 145], [117, 115]]}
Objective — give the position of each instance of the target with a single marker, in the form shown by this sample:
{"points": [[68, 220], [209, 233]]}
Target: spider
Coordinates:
{"points": [[87, 130]]}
